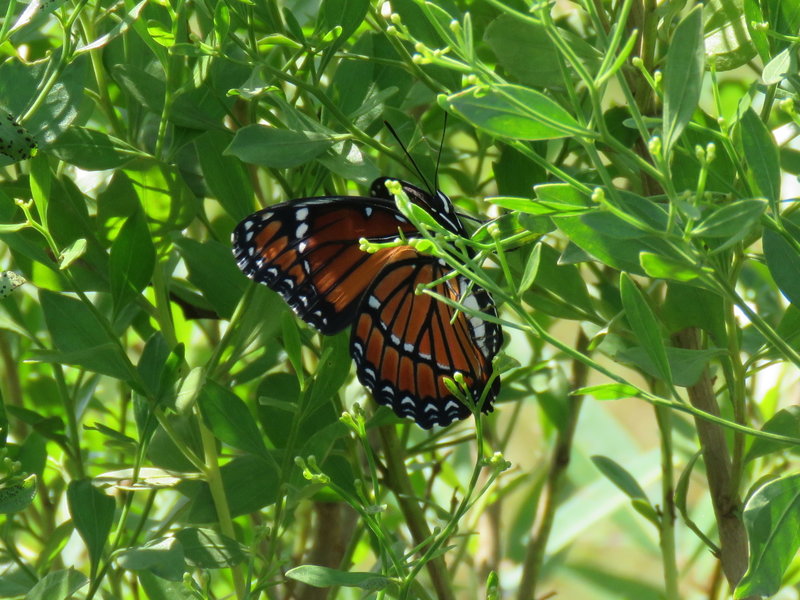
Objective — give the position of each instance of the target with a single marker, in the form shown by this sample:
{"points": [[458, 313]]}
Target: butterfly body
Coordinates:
{"points": [[403, 343]]}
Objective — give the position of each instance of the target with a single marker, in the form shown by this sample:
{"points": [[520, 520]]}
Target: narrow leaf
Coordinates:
{"points": [[731, 219], [608, 391], [209, 549], [762, 157], [131, 261], [683, 76], [322, 577], [644, 325], [513, 111], [662, 267], [531, 269], [93, 514], [227, 416], [783, 262]]}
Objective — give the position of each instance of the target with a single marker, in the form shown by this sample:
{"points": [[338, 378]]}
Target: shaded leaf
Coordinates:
{"points": [[93, 514], [277, 148], [772, 520]]}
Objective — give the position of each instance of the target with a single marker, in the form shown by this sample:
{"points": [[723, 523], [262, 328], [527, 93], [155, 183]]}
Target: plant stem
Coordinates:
{"points": [[213, 476], [667, 523], [397, 480], [727, 505], [559, 462]]}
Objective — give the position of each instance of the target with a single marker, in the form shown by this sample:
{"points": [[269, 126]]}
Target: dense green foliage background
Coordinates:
{"points": [[169, 430]]}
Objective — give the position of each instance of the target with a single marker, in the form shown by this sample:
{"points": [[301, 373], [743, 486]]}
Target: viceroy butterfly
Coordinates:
{"points": [[404, 344]]}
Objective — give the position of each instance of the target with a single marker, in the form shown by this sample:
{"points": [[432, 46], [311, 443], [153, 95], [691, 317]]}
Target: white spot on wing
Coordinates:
{"points": [[374, 302], [408, 347], [368, 211], [301, 214], [301, 229]]}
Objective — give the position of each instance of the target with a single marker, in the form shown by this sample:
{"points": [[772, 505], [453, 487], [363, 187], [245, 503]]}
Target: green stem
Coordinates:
{"points": [[213, 476], [667, 522]]}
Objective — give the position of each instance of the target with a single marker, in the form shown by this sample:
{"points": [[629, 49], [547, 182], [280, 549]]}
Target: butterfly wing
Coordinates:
{"points": [[308, 251], [405, 344]]}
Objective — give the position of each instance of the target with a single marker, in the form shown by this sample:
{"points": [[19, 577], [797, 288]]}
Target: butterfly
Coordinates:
{"points": [[404, 344]]}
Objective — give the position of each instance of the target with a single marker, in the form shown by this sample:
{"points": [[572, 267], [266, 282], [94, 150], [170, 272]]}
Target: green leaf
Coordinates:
{"points": [[782, 65], [131, 260], [332, 371], [323, 577], [682, 487], [77, 332], [762, 157], [17, 496], [277, 148], [72, 253], [731, 219], [157, 588], [783, 262], [683, 76], [229, 419], [608, 391], [58, 585], [166, 198], [35, 9], [209, 549], [727, 43], [58, 109], [213, 272], [531, 269], [92, 513], [514, 112], [662, 267], [162, 557], [293, 346], [224, 175], [772, 521], [645, 326], [514, 41], [92, 150], [347, 14], [250, 483], [621, 478], [686, 365], [784, 422]]}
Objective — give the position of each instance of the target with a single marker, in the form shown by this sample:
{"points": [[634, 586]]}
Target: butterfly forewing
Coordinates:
{"points": [[308, 252], [405, 344]]}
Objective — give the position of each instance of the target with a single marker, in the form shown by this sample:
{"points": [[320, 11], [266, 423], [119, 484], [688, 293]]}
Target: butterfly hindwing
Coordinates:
{"points": [[308, 252], [405, 344]]}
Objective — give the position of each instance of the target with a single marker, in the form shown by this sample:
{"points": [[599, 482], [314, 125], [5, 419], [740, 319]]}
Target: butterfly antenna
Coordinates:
{"points": [[413, 162], [439, 154]]}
